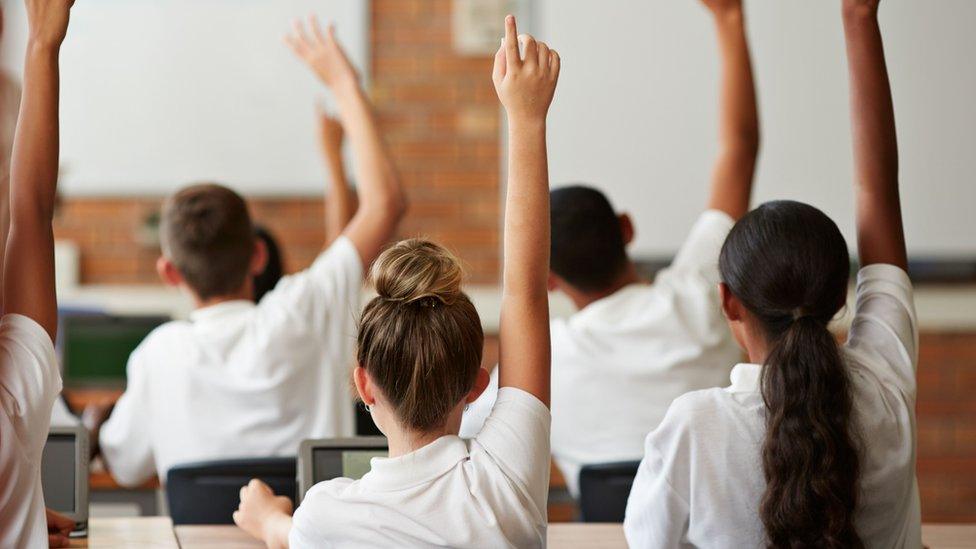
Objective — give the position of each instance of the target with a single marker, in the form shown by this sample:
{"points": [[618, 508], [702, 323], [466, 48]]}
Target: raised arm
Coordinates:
{"points": [[739, 123], [880, 235], [525, 87], [381, 200], [339, 202], [28, 270]]}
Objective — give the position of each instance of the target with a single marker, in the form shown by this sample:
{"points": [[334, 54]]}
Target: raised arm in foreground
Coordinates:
{"points": [[525, 87], [880, 235], [28, 270], [381, 200], [739, 123]]}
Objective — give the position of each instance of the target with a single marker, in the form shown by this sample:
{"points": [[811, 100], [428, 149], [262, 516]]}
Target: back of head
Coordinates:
{"points": [[206, 232], [587, 249], [274, 269], [420, 339], [787, 263]]}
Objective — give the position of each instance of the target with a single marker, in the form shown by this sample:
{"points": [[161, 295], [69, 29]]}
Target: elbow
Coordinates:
{"points": [[397, 204]]}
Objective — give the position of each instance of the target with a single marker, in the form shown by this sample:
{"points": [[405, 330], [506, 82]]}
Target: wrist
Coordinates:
{"points": [[730, 15], [857, 13], [530, 123], [347, 87], [274, 531], [45, 47]]}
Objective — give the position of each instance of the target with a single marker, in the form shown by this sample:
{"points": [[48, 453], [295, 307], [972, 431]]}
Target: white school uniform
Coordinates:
{"points": [[242, 380], [701, 480], [490, 491], [618, 363], [29, 384]]}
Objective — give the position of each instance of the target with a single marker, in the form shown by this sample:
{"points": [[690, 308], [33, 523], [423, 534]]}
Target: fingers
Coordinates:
{"points": [[554, 64], [543, 56], [531, 49], [243, 494], [237, 517], [58, 540], [512, 59], [498, 72], [313, 23]]}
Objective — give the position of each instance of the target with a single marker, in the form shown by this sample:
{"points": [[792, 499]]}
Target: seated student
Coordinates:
{"points": [[813, 444], [241, 379], [420, 345], [340, 207], [29, 376], [633, 347]]}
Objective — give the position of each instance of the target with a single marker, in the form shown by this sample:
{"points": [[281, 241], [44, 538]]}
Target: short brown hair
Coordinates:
{"points": [[206, 232], [420, 339]]}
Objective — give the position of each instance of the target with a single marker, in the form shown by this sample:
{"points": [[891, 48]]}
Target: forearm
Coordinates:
{"points": [[276, 530], [339, 206], [378, 183], [739, 117], [880, 231], [525, 306]]}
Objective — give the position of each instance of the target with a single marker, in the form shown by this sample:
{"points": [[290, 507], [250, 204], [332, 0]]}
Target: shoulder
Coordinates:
{"points": [[321, 510], [163, 340], [691, 417]]}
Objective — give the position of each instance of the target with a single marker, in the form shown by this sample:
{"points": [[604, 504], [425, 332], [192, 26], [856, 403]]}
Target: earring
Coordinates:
{"points": [[467, 407], [368, 408]]}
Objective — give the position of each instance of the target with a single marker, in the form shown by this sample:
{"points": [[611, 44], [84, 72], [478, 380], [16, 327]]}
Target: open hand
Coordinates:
{"points": [[47, 21], [322, 53], [59, 527], [259, 505], [525, 86]]}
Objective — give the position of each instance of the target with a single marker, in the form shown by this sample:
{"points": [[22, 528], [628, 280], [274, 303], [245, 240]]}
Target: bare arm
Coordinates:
{"points": [[339, 202], [880, 235], [381, 200], [739, 124], [264, 515], [525, 88], [28, 270]]}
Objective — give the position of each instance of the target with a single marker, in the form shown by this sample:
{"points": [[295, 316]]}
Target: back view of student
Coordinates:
{"points": [[243, 379], [633, 347], [420, 345], [29, 377], [813, 444]]}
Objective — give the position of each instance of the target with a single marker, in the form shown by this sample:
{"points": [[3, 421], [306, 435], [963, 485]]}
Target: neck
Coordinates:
{"points": [[404, 442], [627, 277], [246, 293]]}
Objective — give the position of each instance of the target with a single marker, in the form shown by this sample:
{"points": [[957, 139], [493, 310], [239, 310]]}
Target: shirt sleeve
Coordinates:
{"points": [[700, 251], [332, 285], [126, 438], [657, 515], [885, 324], [516, 436], [29, 378]]}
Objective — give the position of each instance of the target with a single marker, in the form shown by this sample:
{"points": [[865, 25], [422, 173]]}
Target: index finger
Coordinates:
{"points": [[511, 43]]}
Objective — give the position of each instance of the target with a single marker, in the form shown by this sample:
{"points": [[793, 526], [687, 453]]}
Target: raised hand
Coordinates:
{"points": [[331, 132], [525, 85], [47, 21], [322, 53]]}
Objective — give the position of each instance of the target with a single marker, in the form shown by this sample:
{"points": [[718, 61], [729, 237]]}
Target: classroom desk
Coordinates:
{"points": [[158, 532]]}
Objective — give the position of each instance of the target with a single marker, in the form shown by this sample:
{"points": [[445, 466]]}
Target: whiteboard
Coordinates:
{"points": [[637, 105], [156, 94]]}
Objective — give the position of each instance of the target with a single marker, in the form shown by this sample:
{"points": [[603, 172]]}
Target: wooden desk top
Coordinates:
{"points": [[151, 532]]}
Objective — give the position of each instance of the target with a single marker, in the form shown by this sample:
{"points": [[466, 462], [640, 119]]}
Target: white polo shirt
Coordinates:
{"points": [[29, 384], [242, 380], [490, 491], [701, 480]]}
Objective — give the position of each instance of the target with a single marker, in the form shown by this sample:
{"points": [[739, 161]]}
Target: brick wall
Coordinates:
{"points": [[440, 116]]}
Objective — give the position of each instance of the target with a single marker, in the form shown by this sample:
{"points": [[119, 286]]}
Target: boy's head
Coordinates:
{"points": [[208, 242], [588, 240]]}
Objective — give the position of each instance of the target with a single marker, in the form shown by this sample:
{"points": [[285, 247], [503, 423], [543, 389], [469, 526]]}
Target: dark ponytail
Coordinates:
{"points": [[787, 263]]}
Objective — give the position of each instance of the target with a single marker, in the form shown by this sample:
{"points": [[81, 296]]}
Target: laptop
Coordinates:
{"points": [[329, 458], [64, 475]]}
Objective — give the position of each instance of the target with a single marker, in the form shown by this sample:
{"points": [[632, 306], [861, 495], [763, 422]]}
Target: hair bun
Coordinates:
{"points": [[417, 271]]}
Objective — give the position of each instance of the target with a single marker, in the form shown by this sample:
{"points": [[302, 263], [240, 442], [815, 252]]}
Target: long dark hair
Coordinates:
{"points": [[787, 263]]}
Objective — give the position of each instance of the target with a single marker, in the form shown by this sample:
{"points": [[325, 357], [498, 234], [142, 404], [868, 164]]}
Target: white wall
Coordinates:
{"points": [[636, 110], [160, 93]]}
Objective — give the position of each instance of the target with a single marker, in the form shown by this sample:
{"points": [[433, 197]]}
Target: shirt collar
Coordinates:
{"points": [[610, 305], [417, 467], [221, 311], [745, 378]]}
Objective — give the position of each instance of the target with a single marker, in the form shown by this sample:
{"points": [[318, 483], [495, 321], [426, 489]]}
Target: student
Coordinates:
{"points": [[340, 205], [242, 379], [29, 376], [633, 347], [420, 345], [813, 444]]}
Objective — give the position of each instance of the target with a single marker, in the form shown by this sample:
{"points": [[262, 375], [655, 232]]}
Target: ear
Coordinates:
{"points": [[259, 260], [363, 386], [481, 382], [168, 272], [627, 228], [731, 305]]}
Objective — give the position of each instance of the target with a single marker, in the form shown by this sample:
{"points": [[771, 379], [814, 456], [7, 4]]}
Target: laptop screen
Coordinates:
{"points": [[330, 463], [58, 470]]}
